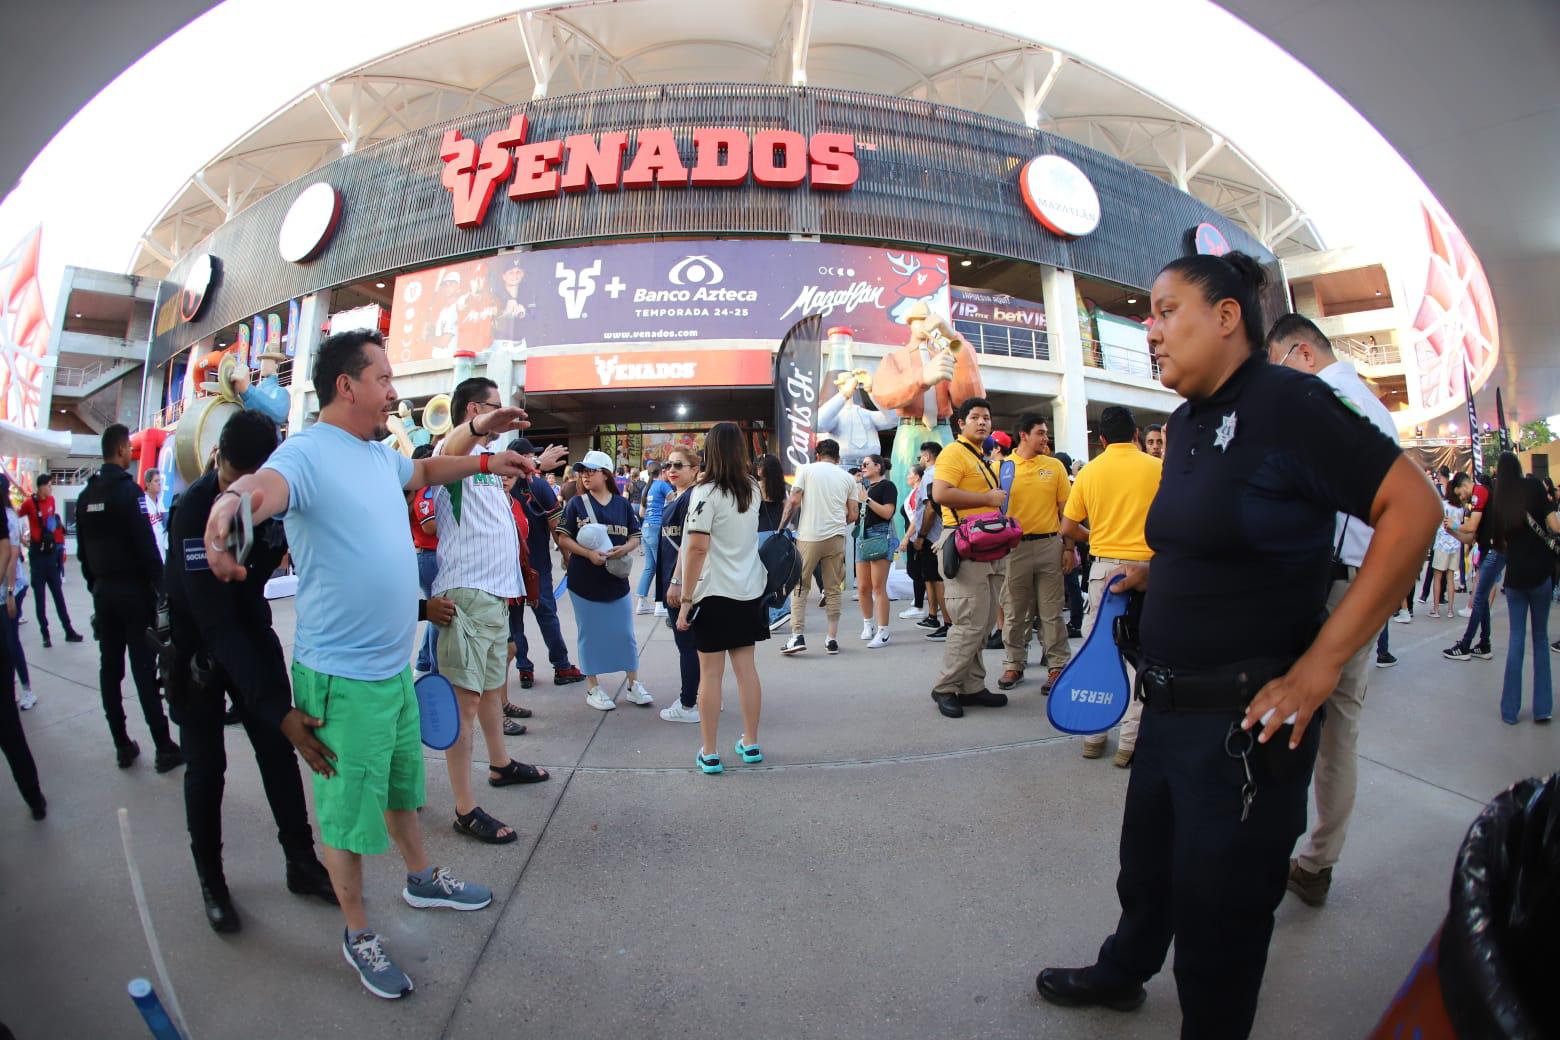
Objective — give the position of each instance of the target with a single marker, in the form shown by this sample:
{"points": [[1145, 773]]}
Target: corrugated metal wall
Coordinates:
{"points": [[931, 176]]}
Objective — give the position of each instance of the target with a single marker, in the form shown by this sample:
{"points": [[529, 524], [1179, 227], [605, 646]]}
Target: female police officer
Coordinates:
{"points": [[1238, 653]]}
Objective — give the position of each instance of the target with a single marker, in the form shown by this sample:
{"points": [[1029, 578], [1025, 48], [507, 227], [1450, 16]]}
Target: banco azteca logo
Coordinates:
{"points": [[696, 270]]}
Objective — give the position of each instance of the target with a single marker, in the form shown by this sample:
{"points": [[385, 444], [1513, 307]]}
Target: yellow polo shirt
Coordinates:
{"points": [[1039, 487], [965, 472], [1111, 498]]}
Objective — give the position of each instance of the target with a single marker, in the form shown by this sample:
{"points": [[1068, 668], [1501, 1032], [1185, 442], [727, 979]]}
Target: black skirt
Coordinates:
{"points": [[721, 624]]}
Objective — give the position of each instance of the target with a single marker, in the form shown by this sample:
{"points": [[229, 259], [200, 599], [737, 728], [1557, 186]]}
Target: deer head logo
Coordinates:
{"points": [[473, 176]]}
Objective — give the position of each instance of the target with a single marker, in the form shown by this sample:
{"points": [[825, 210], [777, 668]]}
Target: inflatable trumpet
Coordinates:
{"points": [[436, 415]]}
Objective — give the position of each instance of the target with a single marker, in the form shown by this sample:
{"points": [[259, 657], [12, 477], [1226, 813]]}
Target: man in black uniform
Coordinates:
{"points": [[223, 644], [123, 568]]}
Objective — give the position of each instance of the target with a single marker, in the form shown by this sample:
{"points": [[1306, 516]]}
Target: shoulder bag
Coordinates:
{"points": [[617, 566], [874, 541], [1550, 541], [985, 537]]}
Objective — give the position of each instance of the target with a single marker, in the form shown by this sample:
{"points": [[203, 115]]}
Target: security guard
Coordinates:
{"points": [[223, 644], [123, 568], [1238, 654]]}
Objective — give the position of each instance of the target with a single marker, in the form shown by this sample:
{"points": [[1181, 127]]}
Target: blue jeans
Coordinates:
{"points": [[427, 570], [13, 638], [1491, 566], [650, 538], [546, 612], [1381, 641], [1523, 603]]}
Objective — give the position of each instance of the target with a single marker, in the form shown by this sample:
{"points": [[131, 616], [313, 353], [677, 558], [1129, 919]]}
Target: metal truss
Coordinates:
{"points": [[362, 107]]}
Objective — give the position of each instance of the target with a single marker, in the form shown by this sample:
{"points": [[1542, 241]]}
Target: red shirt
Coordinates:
{"points": [[522, 524], [39, 514], [422, 514]]}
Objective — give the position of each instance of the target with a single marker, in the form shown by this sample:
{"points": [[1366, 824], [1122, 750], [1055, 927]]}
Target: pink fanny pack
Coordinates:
{"points": [[986, 536]]}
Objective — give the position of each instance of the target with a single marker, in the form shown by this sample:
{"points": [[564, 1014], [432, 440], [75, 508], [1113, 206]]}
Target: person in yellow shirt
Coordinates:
{"points": [[1036, 565], [1108, 508], [966, 485]]}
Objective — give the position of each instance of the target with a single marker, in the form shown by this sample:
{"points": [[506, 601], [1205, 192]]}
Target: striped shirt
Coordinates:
{"points": [[478, 545]]}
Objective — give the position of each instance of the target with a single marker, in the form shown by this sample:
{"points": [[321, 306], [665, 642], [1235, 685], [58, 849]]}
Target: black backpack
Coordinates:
{"points": [[782, 567]]}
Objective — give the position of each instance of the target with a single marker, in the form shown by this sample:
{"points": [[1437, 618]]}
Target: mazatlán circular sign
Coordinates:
{"points": [[197, 286], [1209, 240], [309, 224], [1060, 196]]}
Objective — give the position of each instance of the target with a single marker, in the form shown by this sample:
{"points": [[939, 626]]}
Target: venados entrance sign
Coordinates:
{"points": [[723, 157]]}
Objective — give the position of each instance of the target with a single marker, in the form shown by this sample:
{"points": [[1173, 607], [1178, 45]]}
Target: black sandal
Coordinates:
{"points": [[514, 711], [478, 824], [513, 728], [516, 773]]}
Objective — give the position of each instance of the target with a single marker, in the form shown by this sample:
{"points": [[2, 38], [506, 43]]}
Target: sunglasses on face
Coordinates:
{"points": [[676, 465]]}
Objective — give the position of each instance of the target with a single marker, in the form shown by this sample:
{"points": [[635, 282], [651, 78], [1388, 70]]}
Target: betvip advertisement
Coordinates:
{"points": [[624, 298]]}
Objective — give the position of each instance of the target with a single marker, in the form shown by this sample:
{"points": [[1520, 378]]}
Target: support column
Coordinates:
{"points": [[1070, 410], [311, 315]]}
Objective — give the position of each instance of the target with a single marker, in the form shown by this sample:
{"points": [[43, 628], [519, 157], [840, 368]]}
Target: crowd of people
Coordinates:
{"points": [[1273, 573]]}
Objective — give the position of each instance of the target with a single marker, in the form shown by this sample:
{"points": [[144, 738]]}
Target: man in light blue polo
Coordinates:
{"points": [[339, 493]]}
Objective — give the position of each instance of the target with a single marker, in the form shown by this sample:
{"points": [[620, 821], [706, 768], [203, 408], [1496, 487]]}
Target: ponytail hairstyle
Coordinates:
{"points": [[1234, 276]]}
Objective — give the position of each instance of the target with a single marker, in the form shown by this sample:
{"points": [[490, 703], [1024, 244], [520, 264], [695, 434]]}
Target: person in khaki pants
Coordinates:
{"points": [[965, 485], [1037, 564], [825, 497], [1112, 495]]}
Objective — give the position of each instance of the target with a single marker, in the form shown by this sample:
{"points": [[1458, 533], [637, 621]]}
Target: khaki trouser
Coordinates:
{"points": [[1099, 570], [971, 599], [830, 553], [1337, 755], [1034, 586]]}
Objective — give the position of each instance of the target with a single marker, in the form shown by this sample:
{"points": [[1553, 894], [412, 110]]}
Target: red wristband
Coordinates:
{"points": [[482, 467]]}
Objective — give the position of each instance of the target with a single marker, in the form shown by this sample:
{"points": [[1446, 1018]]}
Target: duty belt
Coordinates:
{"points": [[1225, 689]]}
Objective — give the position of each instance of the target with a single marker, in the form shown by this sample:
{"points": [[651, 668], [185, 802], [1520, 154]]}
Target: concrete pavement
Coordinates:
{"points": [[885, 873]]}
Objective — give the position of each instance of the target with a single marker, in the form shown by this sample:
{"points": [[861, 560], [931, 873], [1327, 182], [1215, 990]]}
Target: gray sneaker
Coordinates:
{"points": [[375, 969], [446, 891]]}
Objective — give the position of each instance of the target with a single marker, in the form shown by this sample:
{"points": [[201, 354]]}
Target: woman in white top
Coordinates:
{"points": [[722, 586], [154, 509]]}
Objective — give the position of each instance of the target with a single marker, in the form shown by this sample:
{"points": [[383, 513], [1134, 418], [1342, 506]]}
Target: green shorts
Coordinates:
{"points": [[374, 730], [474, 649]]}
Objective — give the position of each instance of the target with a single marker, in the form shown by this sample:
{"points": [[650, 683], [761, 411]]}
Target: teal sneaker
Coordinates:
{"points": [[375, 969], [752, 754], [709, 763]]}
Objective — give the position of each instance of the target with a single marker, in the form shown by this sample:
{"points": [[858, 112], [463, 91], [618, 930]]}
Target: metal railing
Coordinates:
{"points": [[78, 475], [71, 375], [1005, 340], [1125, 360], [166, 417], [1373, 354]]}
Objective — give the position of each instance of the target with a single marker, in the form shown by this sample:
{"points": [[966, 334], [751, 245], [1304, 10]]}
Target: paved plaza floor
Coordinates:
{"points": [[886, 873]]}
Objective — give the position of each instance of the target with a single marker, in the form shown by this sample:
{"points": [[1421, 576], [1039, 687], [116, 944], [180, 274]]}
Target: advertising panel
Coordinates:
{"points": [[995, 308], [646, 369], [653, 292]]}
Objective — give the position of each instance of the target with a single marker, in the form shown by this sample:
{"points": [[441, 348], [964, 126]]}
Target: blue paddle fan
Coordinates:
{"points": [[439, 713], [1092, 693], [1005, 481]]}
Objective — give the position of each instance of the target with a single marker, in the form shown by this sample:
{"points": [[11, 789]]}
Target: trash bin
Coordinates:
{"points": [[1486, 974]]}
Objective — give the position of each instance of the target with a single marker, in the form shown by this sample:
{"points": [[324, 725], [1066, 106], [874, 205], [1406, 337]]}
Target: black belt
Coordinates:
{"points": [[1226, 689], [1038, 537]]}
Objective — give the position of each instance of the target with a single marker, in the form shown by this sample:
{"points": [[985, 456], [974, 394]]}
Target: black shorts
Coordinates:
{"points": [[721, 624], [926, 563]]}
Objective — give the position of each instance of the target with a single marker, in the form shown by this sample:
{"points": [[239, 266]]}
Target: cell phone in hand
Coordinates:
{"points": [[242, 538]]}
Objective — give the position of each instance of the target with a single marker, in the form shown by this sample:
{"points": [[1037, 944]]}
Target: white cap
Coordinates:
{"points": [[597, 460]]}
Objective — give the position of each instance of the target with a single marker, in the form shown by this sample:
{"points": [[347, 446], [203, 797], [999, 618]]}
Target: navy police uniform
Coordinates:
{"points": [[223, 643], [1242, 533], [123, 568]]}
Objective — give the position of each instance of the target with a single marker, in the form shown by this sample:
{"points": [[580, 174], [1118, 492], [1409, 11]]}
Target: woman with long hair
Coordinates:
{"points": [[1238, 652], [1448, 547], [1523, 512], [722, 587], [772, 489], [680, 471], [603, 606], [917, 609], [879, 503]]}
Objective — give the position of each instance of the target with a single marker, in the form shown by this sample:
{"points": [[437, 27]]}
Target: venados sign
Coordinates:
{"points": [[723, 157]]}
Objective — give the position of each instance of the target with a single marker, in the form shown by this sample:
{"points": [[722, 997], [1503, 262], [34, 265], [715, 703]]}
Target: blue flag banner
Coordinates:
{"points": [[1005, 478], [561, 588], [438, 711], [1092, 693]]}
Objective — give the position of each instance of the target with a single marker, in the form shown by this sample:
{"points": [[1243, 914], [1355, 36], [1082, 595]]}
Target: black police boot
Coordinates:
{"points": [[948, 704], [127, 751], [72, 636], [168, 758], [47, 645], [307, 876], [1076, 987], [221, 914]]}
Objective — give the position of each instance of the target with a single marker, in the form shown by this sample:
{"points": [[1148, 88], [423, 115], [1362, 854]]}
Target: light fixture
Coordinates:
{"points": [[78, 314], [682, 409], [1132, 299], [965, 263], [381, 285], [1378, 292]]}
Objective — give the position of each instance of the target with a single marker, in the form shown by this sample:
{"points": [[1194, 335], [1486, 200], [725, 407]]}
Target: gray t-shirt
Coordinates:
{"points": [[826, 488]]}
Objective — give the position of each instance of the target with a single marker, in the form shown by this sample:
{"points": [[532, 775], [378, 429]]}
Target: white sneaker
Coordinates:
{"points": [[637, 694], [677, 713], [1435, 613], [599, 700], [644, 607], [660, 610], [912, 614], [26, 700], [879, 638], [1403, 617], [867, 630], [1465, 612]]}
